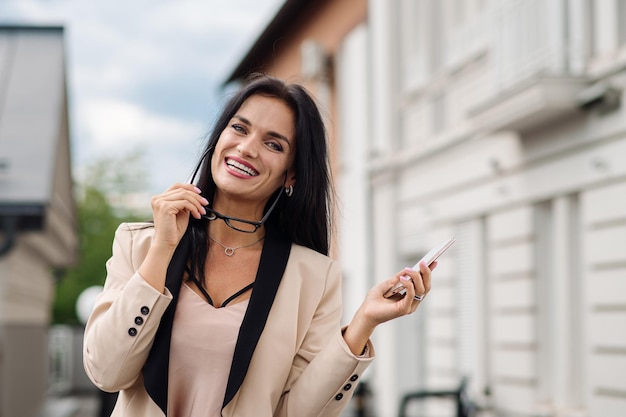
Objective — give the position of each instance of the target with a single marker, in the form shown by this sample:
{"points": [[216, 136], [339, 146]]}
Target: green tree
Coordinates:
{"points": [[98, 218]]}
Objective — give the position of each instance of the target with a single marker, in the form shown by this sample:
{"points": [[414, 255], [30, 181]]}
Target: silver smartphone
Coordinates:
{"points": [[398, 290]]}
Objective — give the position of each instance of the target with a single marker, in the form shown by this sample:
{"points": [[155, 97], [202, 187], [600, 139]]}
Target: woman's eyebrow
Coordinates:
{"points": [[242, 119], [271, 132]]}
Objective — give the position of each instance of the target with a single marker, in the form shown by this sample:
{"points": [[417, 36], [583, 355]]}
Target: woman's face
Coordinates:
{"points": [[255, 153]]}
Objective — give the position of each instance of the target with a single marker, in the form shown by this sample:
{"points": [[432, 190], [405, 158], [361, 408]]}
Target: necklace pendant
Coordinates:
{"points": [[229, 250]]}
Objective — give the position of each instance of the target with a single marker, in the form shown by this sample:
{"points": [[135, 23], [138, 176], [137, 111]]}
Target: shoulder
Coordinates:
{"points": [[304, 254], [135, 232], [132, 240], [308, 261]]}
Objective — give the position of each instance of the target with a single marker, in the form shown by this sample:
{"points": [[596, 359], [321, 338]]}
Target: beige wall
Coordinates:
{"points": [[25, 299], [23, 369], [328, 24]]}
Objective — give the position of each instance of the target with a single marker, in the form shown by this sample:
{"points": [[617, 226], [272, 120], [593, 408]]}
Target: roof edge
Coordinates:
{"points": [[32, 27], [283, 19]]}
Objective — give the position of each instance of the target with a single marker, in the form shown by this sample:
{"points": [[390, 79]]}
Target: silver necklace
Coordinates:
{"points": [[229, 250]]}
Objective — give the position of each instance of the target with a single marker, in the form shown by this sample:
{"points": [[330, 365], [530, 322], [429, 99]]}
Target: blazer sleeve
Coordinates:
{"points": [[325, 372], [126, 315]]}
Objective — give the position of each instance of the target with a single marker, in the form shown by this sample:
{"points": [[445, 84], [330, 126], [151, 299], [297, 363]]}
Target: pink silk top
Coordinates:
{"points": [[201, 353]]}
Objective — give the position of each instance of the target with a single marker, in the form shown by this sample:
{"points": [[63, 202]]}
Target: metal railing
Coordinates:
{"points": [[465, 407]]}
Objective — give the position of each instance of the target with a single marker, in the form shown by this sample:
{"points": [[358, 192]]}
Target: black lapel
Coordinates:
{"points": [[155, 370], [271, 268]]}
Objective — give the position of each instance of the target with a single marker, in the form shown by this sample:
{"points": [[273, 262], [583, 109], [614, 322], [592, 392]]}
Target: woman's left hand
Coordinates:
{"points": [[377, 309]]}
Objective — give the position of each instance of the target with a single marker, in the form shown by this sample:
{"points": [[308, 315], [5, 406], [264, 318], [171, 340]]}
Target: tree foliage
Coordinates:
{"points": [[98, 217]]}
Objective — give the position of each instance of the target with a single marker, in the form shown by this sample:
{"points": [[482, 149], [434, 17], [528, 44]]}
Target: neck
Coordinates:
{"points": [[219, 230], [231, 241], [243, 209]]}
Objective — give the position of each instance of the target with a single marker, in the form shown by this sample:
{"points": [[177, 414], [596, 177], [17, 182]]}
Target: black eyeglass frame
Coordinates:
{"points": [[214, 215]]}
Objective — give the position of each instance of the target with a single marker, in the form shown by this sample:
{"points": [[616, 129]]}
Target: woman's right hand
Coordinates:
{"points": [[171, 210]]}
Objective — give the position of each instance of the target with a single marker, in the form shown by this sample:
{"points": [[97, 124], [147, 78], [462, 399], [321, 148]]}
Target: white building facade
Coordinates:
{"points": [[499, 122]]}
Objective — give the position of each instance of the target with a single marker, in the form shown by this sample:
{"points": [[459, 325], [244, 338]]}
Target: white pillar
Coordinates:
{"points": [[385, 71], [565, 346], [385, 382], [354, 133], [384, 78]]}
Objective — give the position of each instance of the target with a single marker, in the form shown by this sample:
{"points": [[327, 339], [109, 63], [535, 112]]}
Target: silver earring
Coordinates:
{"points": [[289, 191]]}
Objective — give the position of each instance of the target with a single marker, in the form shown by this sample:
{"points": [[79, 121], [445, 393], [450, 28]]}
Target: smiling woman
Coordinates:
{"points": [[228, 304]]}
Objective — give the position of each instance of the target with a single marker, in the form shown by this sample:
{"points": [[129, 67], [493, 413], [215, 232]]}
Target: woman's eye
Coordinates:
{"points": [[275, 146], [238, 128]]}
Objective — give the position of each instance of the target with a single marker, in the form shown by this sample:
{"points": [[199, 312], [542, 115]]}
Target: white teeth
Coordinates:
{"points": [[241, 167]]}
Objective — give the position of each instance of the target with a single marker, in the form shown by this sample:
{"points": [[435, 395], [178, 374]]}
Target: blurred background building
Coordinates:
{"points": [[500, 123], [37, 210]]}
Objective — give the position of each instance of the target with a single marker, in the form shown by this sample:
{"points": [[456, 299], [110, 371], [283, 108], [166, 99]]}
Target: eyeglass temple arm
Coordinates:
{"points": [[192, 177]]}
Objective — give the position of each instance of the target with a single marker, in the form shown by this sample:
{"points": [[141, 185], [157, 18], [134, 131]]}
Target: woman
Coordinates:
{"points": [[209, 311]]}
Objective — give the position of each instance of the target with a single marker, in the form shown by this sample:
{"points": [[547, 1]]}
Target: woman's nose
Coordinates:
{"points": [[248, 147]]}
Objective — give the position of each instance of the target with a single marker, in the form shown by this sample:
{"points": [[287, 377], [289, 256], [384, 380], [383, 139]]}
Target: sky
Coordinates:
{"points": [[146, 75]]}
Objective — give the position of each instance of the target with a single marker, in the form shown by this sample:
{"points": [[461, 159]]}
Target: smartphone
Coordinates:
{"points": [[398, 290]]}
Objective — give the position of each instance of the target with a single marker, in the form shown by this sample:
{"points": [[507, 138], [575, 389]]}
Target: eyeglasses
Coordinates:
{"points": [[241, 225]]}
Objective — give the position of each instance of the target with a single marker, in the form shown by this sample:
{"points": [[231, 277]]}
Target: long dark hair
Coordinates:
{"points": [[305, 217]]}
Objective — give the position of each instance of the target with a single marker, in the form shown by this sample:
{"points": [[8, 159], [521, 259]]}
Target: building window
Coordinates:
{"points": [[413, 42], [422, 36], [608, 27]]}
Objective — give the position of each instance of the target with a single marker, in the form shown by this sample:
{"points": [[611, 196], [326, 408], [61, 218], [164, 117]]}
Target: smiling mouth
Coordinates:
{"points": [[241, 168]]}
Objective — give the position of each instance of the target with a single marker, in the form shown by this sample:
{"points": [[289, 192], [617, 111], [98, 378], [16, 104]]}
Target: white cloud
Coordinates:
{"points": [[111, 125], [114, 129], [132, 68]]}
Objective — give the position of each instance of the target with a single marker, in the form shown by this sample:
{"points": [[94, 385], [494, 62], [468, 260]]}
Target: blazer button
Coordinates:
{"points": [[338, 396], [132, 331], [354, 378], [138, 321], [145, 310], [347, 387]]}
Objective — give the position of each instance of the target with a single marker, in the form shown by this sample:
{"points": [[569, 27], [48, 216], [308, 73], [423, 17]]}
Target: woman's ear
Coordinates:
{"points": [[291, 177]]}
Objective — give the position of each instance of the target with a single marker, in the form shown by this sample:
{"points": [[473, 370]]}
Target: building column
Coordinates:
{"points": [[384, 77], [565, 350]]}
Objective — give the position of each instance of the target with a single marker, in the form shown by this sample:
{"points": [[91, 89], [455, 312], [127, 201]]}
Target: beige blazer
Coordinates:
{"points": [[295, 363]]}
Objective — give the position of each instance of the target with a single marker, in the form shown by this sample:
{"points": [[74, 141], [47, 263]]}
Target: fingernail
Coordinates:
{"points": [[408, 268], [202, 210], [199, 191], [204, 201], [405, 277]]}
